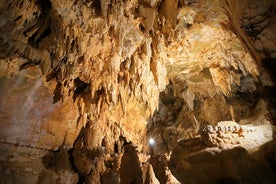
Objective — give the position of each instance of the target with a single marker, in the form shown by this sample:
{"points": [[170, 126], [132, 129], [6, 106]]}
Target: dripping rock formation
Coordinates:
{"points": [[85, 84]]}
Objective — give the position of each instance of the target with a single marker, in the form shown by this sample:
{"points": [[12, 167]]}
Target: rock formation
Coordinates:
{"points": [[85, 83]]}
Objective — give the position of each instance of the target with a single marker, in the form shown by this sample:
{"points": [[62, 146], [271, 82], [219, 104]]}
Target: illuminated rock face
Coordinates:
{"points": [[84, 84]]}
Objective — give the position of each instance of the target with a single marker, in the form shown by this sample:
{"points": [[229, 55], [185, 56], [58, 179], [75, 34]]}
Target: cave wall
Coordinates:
{"points": [[82, 82], [254, 22]]}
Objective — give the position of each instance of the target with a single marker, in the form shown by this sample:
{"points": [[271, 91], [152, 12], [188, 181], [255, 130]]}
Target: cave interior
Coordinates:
{"points": [[138, 91]]}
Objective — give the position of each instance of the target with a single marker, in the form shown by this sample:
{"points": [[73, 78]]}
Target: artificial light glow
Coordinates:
{"points": [[151, 141]]}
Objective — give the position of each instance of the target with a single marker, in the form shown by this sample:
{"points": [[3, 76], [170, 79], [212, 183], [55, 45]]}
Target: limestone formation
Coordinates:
{"points": [[231, 134], [85, 83]]}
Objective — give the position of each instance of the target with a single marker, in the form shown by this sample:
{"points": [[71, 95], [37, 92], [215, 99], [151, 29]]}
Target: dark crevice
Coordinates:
{"points": [[29, 64], [270, 65], [57, 93], [116, 147], [97, 96], [227, 180], [72, 45], [36, 38], [80, 87], [43, 23], [51, 75], [97, 7], [44, 4], [142, 27], [71, 159], [18, 18], [269, 92]]}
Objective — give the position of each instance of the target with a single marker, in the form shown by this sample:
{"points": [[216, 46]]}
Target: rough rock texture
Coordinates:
{"points": [[85, 83], [255, 24], [193, 162], [226, 136]]}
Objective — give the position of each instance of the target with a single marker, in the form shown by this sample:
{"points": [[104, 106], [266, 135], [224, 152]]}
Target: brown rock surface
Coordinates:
{"points": [[85, 83], [192, 162]]}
